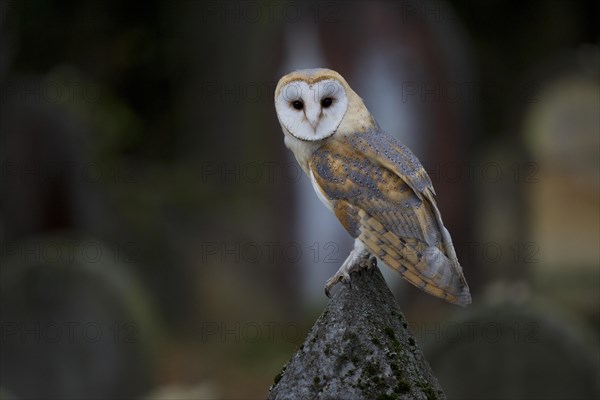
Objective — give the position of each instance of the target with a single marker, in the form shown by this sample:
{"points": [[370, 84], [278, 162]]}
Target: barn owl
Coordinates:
{"points": [[374, 185]]}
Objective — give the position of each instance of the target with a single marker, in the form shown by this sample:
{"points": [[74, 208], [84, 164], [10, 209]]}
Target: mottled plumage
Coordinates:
{"points": [[382, 195], [376, 187]]}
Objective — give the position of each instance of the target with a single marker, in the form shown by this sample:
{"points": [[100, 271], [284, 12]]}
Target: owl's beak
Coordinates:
{"points": [[313, 117]]}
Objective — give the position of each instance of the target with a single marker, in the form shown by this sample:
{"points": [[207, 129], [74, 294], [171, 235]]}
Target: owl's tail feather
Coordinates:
{"points": [[426, 267]]}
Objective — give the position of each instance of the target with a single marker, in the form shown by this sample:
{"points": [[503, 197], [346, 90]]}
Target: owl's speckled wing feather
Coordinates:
{"points": [[382, 195]]}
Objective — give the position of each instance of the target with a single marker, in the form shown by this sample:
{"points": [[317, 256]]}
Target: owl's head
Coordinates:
{"points": [[311, 103]]}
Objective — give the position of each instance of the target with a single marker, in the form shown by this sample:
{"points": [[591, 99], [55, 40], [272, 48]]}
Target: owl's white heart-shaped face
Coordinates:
{"points": [[311, 112]]}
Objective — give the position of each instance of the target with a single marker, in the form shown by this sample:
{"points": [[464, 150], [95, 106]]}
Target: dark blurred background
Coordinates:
{"points": [[158, 241]]}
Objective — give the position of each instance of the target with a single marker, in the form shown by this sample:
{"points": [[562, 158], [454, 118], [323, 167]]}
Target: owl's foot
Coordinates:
{"points": [[358, 260], [369, 263]]}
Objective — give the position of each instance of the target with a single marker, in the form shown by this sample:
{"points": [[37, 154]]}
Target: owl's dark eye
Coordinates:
{"points": [[326, 102], [298, 105]]}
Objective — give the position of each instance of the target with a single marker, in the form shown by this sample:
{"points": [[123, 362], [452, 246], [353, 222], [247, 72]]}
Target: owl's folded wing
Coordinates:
{"points": [[382, 195], [387, 151]]}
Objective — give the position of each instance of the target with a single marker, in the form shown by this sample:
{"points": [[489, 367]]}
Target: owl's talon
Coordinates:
{"points": [[356, 261], [340, 276], [368, 263], [372, 264]]}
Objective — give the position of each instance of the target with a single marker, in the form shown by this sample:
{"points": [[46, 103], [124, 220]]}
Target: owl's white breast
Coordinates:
{"points": [[302, 150]]}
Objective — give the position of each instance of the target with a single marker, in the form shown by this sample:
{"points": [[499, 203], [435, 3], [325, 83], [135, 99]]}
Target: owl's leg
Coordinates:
{"points": [[358, 259]]}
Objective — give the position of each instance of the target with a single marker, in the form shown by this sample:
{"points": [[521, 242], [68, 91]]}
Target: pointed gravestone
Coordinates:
{"points": [[359, 348]]}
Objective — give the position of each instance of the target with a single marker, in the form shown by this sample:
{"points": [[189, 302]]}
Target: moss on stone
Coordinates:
{"points": [[371, 370], [351, 336], [428, 391], [390, 333], [402, 387]]}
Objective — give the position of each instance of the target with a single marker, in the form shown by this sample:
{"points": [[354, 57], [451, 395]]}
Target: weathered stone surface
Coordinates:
{"points": [[359, 348]]}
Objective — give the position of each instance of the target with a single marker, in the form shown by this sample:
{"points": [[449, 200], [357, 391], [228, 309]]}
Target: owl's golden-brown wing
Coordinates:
{"points": [[382, 195]]}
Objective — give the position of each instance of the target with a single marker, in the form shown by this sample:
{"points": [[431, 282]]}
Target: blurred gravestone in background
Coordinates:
{"points": [[514, 351], [562, 132], [74, 323]]}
